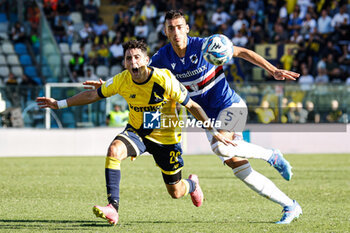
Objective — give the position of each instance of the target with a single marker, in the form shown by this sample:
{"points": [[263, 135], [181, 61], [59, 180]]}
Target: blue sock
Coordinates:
{"points": [[112, 183], [112, 174], [192, 185]]}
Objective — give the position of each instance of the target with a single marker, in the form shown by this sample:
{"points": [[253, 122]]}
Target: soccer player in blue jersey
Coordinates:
{"points": [[208, 87], [149, 92]]}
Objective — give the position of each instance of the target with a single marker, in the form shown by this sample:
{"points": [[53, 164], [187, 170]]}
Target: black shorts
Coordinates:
{"points": [[167, 157]]}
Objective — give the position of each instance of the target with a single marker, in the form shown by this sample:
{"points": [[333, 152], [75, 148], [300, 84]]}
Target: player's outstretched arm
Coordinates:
{"points": [[82, 98], [44, 102], [197, 111], [258, 60], [90, 84]]}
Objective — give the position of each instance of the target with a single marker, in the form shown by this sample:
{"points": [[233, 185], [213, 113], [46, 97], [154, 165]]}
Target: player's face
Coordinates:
{"points": [[136, 63], [176, 30]]}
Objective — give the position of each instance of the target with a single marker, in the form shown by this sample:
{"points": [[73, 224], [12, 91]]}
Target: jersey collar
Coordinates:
{"points": [[149, 77]]}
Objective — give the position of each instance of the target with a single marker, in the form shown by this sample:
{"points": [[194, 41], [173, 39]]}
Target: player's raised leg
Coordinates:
{"points": [[281, 164], [182, 187], [263, 186], [233, 119], [169, 160], [197, 195]]}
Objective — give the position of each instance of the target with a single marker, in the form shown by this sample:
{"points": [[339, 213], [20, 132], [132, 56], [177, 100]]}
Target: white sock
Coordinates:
{"points": [[243, 149], [262, 185]]}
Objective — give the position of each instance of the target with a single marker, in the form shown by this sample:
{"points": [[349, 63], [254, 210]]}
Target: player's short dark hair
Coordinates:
{"points": [[174, 14], [135, 44]]}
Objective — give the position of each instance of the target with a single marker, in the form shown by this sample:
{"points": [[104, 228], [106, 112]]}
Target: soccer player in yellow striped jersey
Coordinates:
{"points": [[159, 92], [147, 90]]}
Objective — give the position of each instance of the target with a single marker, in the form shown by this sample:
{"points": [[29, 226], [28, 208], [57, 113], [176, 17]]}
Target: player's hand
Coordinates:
{"points": [[44, 102], [224, 139], [285, 74], [93, 84]]}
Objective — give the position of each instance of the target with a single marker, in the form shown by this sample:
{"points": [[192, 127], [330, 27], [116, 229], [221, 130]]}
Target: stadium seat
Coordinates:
{"points": [[37, 80], [13, 18], [153, 47], [52, 80], [2, 60], [30, 71], [87, 47], [49, 48], [25, 59], [4, 27], [13, 59], [21, 48], [75, 48], [111, 35], [64, 47], [89, 67], [3, 18], [76, 17], [36, 47], [115, 70], [4, 36], [46, 71], [56, 71], [43, 60], [102, 71], [152, 38], [78, 26], [54, 60], [7, 48], [17, 70], [67, 58], [4, 71]]}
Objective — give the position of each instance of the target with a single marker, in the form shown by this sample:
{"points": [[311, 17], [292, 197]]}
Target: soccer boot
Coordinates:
{"points": [[290, 213], [197, 195], [281, 164], [108, 212]]}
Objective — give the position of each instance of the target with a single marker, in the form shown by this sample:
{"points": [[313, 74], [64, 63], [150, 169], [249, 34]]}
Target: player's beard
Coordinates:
{"points": [[139, 74]]}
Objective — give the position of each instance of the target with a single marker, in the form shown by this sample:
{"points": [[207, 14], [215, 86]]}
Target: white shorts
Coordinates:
{"points": [[233, 119]]}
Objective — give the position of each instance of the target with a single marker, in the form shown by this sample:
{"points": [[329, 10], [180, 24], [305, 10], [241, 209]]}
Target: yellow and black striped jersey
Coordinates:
{"points": [[159, 92]]}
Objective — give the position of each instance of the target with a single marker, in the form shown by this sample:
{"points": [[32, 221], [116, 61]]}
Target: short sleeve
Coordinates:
{"points": [[110, 87], [177, 91]]}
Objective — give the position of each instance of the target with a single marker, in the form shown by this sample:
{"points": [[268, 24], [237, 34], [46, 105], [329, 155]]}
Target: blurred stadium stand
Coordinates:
{"points": [[47, 49]]}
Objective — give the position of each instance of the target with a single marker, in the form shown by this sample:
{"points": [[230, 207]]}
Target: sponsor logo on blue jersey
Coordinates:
{"points": [[190, 73]]}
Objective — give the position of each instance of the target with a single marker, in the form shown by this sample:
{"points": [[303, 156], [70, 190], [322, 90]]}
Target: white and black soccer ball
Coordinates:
{"points": [[217, 49]]}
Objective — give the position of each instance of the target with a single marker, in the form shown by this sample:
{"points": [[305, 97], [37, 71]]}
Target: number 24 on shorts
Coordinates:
{"points": [[173, 156]]}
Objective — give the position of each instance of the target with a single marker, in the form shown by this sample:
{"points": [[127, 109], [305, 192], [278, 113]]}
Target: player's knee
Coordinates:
{"points": [[243, 171], [117, 151]]}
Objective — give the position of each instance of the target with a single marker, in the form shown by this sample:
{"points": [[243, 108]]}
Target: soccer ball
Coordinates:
{"points": [[217, 49]]}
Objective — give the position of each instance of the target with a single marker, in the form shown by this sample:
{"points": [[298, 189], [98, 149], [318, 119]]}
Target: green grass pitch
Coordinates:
{"points": [[56, 194]]}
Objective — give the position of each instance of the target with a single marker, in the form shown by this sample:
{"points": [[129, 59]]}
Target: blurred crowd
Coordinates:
{"points": [[296, 112], [321, 30]]}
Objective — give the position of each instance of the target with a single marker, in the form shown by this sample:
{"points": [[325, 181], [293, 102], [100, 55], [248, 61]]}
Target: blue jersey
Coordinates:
{"points": [[206, 83]]}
